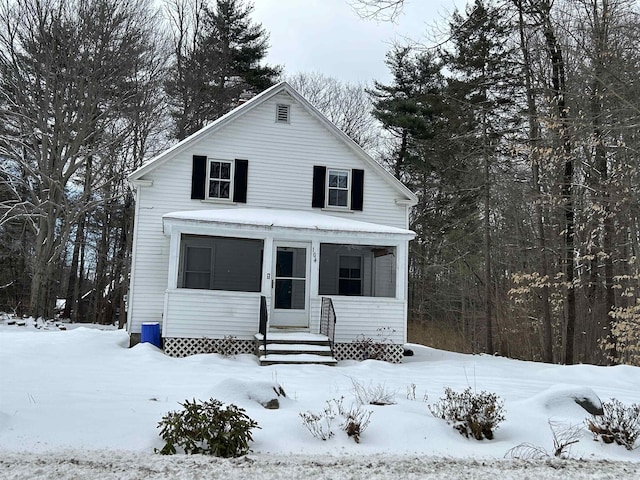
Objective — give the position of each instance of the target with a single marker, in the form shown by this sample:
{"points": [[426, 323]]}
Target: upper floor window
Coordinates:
{"points": [[225, 180], [338, 188], [220, 176], [341, 188]]}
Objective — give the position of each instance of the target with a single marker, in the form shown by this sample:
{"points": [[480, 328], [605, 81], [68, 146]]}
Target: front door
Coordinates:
{"points": [[290, 295]]}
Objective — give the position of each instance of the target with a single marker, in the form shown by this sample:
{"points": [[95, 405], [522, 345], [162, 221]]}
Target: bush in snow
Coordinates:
{"points": [[474, 415], [373, 394], [355, 420], [207, 428], [374, 349], [620, 423], [563, 437], [319, 424]]}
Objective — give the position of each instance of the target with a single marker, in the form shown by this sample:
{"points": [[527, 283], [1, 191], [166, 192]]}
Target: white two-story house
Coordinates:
{"points": [[271, 204]]}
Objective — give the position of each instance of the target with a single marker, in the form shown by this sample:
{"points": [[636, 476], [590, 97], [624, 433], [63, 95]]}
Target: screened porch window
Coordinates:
{"points": [[220, 263], [357, 270]]}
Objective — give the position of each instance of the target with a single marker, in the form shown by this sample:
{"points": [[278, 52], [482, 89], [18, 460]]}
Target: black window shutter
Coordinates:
{"points": [[319, 178], [357, 189], [198, 177], [240, 181]]}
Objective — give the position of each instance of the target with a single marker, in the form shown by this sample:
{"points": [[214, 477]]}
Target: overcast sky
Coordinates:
{"points": [[328, 37]]}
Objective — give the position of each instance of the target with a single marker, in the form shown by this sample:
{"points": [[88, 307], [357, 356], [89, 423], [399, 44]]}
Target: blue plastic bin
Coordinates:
{"points": [[150, 333]]}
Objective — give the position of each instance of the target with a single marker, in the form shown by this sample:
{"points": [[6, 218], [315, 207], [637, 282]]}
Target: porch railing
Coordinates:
{"points": [[328, 321], [264, 321]]}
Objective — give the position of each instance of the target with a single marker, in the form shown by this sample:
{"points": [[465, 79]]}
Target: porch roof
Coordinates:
{"points": [[291, 220]]}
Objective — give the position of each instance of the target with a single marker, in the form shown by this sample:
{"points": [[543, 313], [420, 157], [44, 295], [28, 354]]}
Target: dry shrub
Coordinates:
{"points": [[620, 423], [474, 415]]}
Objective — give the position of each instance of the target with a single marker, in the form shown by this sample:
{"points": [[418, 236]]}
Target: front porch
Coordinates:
{"points": [[221, 265], [203, 321]]}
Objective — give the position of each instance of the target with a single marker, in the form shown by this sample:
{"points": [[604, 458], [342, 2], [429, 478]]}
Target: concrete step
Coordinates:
{"points": [[294, 337], [297, 359], [294, 348]]}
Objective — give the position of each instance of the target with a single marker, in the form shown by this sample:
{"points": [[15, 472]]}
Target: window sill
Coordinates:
{"points": [[218, 201], [337, 209]]}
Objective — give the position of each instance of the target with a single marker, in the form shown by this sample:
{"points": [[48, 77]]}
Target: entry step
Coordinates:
{"points": [[294, 348], [294, 337], [297, 359]]}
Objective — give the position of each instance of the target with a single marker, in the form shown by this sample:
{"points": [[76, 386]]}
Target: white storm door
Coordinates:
{"points": [[290, 287]]}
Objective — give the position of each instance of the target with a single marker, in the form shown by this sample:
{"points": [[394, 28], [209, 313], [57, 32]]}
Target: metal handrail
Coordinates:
{"points": [[328, 321]]}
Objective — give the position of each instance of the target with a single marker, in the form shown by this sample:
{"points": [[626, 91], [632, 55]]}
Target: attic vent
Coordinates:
{"points": [[282, 113]]}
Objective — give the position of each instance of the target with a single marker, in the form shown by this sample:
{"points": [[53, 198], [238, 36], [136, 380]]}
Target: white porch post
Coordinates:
{"points": [[402, 279], [314, 281], [267, 269], [174, 259]]}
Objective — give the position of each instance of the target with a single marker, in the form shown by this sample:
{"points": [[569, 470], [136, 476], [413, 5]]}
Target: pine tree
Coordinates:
{"points": [[216, 63], [482, 91], [425, 156]]}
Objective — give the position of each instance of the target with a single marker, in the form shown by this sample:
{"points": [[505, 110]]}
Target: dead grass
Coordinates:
{"points": [[438, 335]]}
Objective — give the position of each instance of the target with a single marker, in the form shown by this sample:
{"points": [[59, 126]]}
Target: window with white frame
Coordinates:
{"points": [[349, 275], [220, 175], [338, 188]]}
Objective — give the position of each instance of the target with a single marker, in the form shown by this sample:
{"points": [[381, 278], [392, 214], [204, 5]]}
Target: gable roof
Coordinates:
{"points": [[282, 87]]}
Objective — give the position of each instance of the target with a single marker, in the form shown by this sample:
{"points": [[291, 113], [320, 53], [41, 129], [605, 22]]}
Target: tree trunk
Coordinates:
{"points": [[559, 92], [596, 103], [487, 257], [534, 136]]}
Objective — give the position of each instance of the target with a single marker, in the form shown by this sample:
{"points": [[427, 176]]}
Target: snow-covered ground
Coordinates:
{"points": [[80, 404]]}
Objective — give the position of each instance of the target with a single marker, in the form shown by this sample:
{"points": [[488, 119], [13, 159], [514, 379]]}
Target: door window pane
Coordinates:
{"points": [[290, 294], [290, 281], [291, 262], [284, 263]]}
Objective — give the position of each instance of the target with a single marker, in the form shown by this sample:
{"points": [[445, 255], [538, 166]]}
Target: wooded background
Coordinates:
{"points": [[517, 127]]}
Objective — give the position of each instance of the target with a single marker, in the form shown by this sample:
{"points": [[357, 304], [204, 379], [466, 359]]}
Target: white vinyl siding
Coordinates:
{"points": [[371, 317], [277, 156], [207, 313]]}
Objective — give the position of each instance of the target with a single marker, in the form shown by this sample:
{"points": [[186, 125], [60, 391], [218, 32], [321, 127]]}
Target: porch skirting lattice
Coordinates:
{"points": [[183, 347], [354, 351]]}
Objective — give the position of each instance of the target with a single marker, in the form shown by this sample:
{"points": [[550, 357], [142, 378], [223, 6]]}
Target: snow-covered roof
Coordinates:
{"points": [[287, 219], [253, 103]]}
